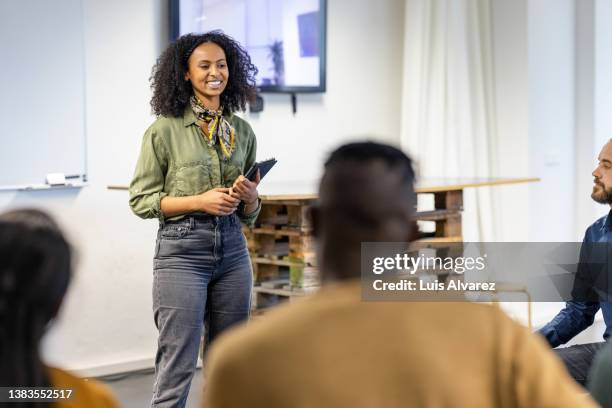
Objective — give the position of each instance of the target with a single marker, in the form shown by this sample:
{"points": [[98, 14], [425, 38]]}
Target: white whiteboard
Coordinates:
{"points": [[42, 90]]}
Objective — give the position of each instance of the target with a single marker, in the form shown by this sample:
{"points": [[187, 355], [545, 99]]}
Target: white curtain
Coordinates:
{"points": [[448, 112]]}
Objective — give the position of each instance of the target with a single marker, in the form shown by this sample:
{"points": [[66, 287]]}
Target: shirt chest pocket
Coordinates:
{"points": [[192, 179]]}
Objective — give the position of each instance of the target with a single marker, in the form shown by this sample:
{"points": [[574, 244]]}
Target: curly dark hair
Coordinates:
{"points": [[171, 92]]}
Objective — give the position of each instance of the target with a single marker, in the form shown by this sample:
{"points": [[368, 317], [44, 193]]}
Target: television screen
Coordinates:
{"points": [[285, 38]]}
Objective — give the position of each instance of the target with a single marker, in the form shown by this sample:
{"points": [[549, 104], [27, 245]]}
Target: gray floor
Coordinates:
{"points": [[133, 390]]}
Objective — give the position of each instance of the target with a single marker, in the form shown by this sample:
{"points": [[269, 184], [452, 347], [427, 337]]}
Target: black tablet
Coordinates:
{"points": [[263, 166]]}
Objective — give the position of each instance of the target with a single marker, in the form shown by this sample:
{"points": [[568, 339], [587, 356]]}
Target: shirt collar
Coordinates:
{"points": [[189, 116], [606, 226]]}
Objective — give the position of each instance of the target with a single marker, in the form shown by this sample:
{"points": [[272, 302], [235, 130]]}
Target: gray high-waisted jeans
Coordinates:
{"points": [[202, 279]]}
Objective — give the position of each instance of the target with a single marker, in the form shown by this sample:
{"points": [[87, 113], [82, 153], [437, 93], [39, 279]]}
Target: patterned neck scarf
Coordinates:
{"points": [[215, 127]]}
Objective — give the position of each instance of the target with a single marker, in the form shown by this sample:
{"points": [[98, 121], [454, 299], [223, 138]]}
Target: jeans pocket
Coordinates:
{"points": [[175, 230], [156, 251]]}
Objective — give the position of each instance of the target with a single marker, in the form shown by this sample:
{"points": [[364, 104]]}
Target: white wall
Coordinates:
{"points": [[106, 324], [552, 114], [364, 71], [509, 20], [584, 146]]}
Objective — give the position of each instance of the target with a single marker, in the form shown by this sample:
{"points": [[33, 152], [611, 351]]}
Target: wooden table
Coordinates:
{"points": [[281, 245], [448, 201], [281, 242]]}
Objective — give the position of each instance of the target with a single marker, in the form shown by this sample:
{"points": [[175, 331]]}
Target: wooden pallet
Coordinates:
{"points": [[296, 272], [278, 246], [282, 246], [449, 202], [292, 214], [263, 271]]}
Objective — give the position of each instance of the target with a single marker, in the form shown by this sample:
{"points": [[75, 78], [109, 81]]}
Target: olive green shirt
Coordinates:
{"points": [[176, 160]]}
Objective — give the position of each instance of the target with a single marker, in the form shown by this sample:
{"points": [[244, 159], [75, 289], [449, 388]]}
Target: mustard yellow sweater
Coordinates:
{"points": [[86, 393], [333, 350]]}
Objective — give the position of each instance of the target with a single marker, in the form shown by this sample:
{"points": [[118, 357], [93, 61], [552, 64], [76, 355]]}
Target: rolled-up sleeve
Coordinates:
{"points": [[249, 219], [579, 312], [570, 321], [146, 188]]}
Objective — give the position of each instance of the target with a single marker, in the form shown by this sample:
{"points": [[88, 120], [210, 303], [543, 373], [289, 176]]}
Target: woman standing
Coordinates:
{"points": [[189, 176]]}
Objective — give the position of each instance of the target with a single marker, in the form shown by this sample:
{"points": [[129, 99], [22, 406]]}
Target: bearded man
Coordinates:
{"points": [[591, 288]]}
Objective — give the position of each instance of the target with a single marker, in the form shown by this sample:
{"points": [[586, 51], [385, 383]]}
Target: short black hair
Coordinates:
{"points": [[368, 151], [171, 92]]}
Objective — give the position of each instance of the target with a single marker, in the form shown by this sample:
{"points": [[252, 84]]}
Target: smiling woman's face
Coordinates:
{"points": [[208, 73]]}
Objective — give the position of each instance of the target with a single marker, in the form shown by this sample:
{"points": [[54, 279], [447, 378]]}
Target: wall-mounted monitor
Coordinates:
{"points": [[285, 38]]}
